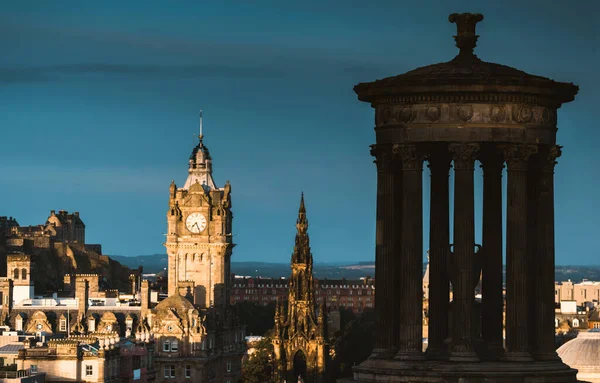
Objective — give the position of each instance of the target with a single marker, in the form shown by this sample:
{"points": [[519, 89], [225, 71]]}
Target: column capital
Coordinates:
{"points": [[548, 157], [464, 155], [491, 157], [517, 155], [385, 158], [411, 155]]}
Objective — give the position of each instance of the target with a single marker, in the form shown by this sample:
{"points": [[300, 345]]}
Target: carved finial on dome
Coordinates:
{"points": [[466, 39], [200, 136]]}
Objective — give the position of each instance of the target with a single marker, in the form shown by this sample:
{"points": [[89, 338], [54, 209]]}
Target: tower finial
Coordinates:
{"points": [[200, 136], [466, 38]]}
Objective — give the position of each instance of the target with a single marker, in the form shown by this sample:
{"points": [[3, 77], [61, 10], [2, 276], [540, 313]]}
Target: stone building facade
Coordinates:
{"points": [[198, 335], [91, 332], [199, 237], [583, 292], [300, 340], [356, 295]]}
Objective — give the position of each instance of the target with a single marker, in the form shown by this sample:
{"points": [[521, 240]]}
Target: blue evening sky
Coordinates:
{"points": [[99, 110]]}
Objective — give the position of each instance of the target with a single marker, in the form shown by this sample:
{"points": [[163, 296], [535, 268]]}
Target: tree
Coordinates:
{"points": [[258, 368], [354, 342], [258, 318]]}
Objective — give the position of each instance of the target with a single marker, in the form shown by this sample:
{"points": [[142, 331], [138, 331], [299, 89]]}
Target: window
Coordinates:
{"points": [[24, 274], [16, 274], [89, 370], [174, 346], [19, 324], [188, 371], [63, 325], [575, 322], [169, 371], [228, 366], [167, 346], [91, 325], [33, 369]]}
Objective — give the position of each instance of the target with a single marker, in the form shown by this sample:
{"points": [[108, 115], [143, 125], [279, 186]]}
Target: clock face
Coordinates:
{"points": [[39, 326], [195, 222]]}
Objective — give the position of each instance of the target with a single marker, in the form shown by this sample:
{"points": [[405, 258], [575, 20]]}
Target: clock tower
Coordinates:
{"points": [[199, 241]]}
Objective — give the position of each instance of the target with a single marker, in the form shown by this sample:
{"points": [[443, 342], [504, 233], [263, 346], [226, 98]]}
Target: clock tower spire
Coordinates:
{"points": [[200, 165], [199, 238]]}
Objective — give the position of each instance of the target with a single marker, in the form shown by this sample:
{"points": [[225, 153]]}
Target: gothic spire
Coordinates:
{"points": [[302, 247]]}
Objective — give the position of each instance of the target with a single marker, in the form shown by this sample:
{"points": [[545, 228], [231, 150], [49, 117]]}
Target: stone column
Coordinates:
{"points": [[462, 265], [493, 302], [387, 251], [409, 297], [544, 347], [439, 241], [517, 318]]}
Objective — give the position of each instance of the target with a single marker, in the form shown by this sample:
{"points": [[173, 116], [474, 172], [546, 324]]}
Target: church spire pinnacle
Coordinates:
{"points": [[302, 214], [200, 136], [302, 248]]}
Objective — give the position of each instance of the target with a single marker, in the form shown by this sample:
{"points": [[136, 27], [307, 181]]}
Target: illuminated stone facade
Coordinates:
{"points": [[86, 331], [300, 343], [199, 241]]}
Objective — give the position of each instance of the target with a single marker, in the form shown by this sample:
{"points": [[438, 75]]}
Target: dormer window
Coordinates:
{"points": [[63, 325], [174, 345], [91, 325], [19, 324], [167, 345]]}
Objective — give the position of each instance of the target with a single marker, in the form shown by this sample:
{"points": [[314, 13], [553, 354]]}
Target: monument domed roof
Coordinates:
{"points": [[582, 353], [175, 302], [466, 69]]}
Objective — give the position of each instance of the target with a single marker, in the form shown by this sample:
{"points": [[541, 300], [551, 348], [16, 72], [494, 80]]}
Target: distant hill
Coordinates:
{"points": [[157, 262], [151, 263]]}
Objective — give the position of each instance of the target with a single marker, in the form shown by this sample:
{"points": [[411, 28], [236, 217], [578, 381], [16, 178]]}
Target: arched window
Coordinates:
{"points": [[575, 322], [24, 273], [556, 322], [167, 345], [16, 274]]}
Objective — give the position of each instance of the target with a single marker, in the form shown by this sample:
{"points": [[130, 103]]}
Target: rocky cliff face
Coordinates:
{"points": [[52, 261]]}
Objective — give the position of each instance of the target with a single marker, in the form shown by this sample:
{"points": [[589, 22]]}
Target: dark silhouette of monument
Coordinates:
{"points": [[456, 113]]}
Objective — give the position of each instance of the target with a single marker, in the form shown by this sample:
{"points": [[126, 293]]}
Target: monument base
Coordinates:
{"points": [[371, 371]]}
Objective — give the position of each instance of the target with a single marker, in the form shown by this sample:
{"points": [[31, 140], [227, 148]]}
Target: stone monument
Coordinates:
{"points": [[451, 115]]}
